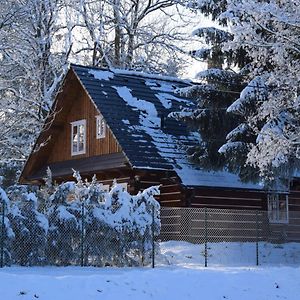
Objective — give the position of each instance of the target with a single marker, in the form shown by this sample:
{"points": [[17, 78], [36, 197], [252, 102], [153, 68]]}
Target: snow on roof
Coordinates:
{"points": [[136, 106], [150, 76], [148, 113], [101, 74], [195, 177]]}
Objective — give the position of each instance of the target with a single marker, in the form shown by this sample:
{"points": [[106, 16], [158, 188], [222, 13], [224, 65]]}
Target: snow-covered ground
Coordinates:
{"points": [[163, 283], [229, 254], [179, 276]]}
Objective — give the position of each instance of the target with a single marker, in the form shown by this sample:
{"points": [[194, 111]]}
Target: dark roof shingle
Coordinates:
{"points": [[133, 105]]}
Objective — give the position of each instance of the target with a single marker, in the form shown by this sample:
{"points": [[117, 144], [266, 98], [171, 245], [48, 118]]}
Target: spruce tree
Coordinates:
{"points": [[218, 88], [269, 105]]}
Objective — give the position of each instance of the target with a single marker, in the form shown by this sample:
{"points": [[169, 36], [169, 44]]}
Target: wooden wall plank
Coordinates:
{"points": [[82, 108]]}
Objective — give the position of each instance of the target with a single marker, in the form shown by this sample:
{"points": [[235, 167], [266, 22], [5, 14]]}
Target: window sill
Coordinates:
{"points": [[78, 153], [279, 222]]}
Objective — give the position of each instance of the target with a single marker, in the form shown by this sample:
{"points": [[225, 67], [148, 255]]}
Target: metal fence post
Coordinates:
{"points": [[206, 237], [82, 234], [2, 236], [257, 237], [153, 243]]}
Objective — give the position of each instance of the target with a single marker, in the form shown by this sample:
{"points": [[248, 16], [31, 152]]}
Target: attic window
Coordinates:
{"points": [[100, 127], [78, 137], [278, 208]]}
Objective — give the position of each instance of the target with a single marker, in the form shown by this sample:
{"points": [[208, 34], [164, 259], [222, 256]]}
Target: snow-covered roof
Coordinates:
{"points": [[136, 108]]}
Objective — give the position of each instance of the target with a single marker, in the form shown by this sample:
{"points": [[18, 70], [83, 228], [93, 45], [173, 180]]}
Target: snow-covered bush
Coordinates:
{"points": [[79, 222], [124, 226], [6, 229], [64, 231], [102, 228], [31, 229], [117, 226]]}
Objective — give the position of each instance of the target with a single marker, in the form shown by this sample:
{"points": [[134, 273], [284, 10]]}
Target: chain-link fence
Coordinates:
{"points": [[228, 237], [77, 234], [2, 232]]}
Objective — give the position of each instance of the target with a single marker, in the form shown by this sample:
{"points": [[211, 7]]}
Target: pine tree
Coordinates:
{"points": [[268, 31], [266, 138], [218, 88]]}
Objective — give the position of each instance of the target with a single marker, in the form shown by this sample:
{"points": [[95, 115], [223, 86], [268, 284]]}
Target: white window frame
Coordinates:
{"points": [[274, 213], [100, 119], [77, 124]]}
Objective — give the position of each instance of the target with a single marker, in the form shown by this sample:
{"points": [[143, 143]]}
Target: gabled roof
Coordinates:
{"points": [[135, 107]]}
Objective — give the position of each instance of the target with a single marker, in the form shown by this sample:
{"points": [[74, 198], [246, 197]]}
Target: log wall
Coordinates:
{"points": [[82, 108], [228, 198]]}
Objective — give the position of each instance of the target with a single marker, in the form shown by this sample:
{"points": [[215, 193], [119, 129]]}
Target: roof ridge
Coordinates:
{"points": [[133, 73]]}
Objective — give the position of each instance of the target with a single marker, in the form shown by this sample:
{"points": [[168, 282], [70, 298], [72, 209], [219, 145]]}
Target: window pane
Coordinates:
{"points": [[282, 209], [75, 138], [74, 147], [81, 129], [100, 127], [81, 138], [78, 138], [80, 146], [277, 208]]}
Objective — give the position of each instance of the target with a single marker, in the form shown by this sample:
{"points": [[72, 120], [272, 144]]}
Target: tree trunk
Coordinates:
{"points": [[118, 33]]}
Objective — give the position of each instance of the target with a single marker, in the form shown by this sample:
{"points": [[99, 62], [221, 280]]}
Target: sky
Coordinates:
{"points": [[186, 23], [193, 66]]}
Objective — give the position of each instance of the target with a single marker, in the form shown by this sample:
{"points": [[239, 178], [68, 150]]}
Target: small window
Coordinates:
{"points": [[100, 127], [278, 208], [78, 137]]}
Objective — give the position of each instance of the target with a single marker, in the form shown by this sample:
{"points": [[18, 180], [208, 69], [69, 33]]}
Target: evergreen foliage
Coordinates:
{"points": [[258, 134], [217, 89], [31, 229], [7, 234], [269, 105], [79, 221]]}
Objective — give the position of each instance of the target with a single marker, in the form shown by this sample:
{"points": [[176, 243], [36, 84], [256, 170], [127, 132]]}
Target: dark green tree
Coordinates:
{"points": [[218, 88]]}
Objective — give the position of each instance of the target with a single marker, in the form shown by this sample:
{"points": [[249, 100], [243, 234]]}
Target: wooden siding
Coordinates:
{"points": [[71, 104], [172, 192], [228, 198], [220, 225], [82, 108], [86, 166]]}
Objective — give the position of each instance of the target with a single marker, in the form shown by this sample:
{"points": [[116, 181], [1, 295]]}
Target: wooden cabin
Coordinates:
{"points": [[115, 124]]}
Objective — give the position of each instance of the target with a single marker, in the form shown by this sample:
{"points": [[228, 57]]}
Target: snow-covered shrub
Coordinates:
{"points": [[117, 226], [8, 233], [78, 222], [124, 226], [31, 229], [64, 231]]}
